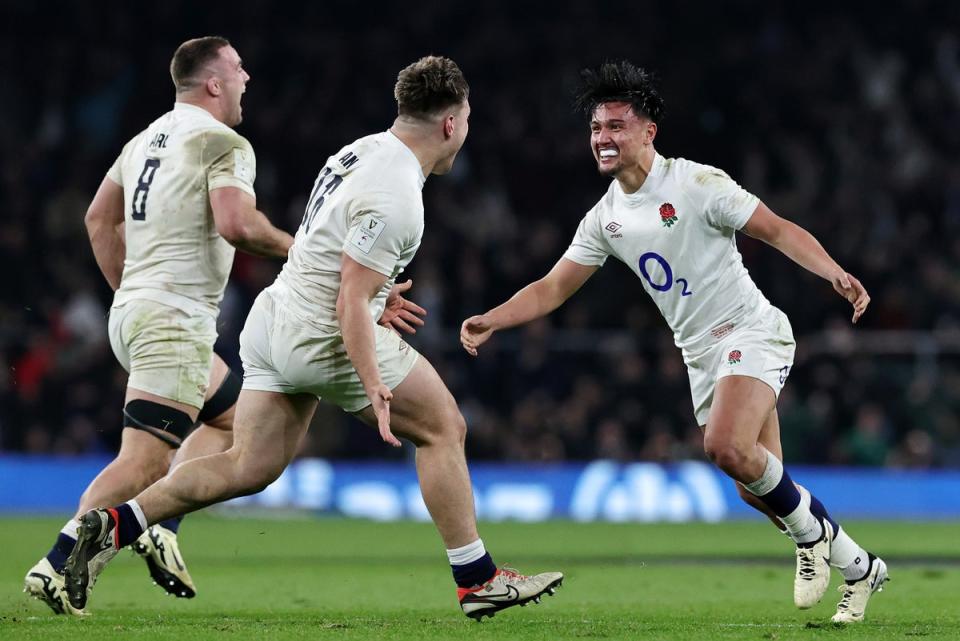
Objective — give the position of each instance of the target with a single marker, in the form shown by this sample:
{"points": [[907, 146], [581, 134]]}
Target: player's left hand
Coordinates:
{"points": [[380, 397], [853, 290], [400, 314]]}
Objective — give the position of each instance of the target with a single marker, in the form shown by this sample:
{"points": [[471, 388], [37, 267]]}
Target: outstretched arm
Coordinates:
{"points": [[242, 225], [801, 247], [104, 221], [537, 299]]}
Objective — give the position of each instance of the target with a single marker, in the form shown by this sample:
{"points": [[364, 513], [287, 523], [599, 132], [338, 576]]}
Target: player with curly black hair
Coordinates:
{"points": [[674, 222]]}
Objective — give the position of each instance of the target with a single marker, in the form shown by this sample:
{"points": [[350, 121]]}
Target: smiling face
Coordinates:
{"points": [[619, 138]]}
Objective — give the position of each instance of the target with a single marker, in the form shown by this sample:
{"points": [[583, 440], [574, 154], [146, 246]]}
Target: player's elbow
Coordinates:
{"points": [[94, 219], [235, 229]]}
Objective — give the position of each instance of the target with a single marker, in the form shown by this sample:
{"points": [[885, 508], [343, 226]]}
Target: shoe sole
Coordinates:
{"points": [[550, 590], [75, 572], [170, 583]]}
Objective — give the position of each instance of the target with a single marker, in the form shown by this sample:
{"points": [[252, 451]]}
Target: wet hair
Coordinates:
{"points": [[429, 85], [619, 82], [191, 57]]}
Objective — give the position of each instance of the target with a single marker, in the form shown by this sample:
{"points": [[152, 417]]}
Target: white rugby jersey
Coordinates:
{"points": [[174, 254], [367, 203], [677, 235]]}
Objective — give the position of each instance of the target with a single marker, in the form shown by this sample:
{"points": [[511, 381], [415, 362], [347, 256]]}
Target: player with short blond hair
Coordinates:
{"points": [[163, 226], [312, 335]]}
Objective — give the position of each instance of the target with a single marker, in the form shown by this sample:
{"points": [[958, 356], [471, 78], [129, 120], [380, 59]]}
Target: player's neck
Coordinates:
{"points": [[632, 178], [419, 143], [210, 106]]}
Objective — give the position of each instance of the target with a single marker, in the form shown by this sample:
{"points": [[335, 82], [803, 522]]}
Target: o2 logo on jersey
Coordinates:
{"points": [[668, 280]]}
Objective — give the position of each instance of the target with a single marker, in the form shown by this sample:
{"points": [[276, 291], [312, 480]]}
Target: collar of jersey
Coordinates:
{"points": [[655, 170], [185, 106]]}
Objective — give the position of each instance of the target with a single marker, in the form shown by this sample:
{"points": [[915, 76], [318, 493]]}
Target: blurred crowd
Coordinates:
{"points": [[847, 123]]}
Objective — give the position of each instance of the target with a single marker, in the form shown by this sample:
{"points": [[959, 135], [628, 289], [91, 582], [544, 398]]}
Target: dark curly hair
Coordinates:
{"points": [[429, 85], [619, 82]]}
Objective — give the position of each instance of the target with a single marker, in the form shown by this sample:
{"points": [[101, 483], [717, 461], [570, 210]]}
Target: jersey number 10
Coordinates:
{"points": [[139, 207]]}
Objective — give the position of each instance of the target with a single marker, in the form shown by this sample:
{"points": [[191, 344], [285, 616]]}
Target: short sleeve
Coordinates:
{"points": [[724, 203], [383, 232], [589, 246], [114, 173], [232, 162]]}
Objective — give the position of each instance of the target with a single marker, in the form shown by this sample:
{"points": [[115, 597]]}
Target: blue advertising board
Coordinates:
{"points": [[594, 491]]}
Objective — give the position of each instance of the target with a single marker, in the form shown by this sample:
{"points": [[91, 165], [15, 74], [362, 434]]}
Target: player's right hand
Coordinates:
{"points": [[474, 332], [380, 397]]}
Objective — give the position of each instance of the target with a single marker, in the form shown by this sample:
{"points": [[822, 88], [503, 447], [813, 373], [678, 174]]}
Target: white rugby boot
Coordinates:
{"points": [[158, 547], [813, 570], [856, 594], [46, 584], [506, 589]]}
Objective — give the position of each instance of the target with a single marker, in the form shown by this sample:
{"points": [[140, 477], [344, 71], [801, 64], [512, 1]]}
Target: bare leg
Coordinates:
{"points": [[770, 439], [740, 409], [267, 429], [143, 458], [424, 411], [215, 435]]}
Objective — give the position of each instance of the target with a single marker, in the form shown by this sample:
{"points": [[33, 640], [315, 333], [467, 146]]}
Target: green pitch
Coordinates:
{"points": [[338, 579]]}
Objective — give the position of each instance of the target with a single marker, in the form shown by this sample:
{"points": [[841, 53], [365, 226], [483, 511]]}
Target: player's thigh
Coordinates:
{"points": [[423, 409], [267, 429], [144, 454], [741, 406]]}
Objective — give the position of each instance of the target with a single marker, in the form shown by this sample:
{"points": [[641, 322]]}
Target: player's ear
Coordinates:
{"points": [[214, 86], [651, 132], [448, 126]]}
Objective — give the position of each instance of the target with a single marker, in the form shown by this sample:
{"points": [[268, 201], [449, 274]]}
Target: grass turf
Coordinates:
{"points": [[342, 579]]}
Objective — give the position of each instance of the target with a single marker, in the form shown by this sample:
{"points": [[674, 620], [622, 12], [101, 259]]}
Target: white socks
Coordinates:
{"points": [[141, 519], [802, 525], [850, 558], [467, 554], [71, 528]]}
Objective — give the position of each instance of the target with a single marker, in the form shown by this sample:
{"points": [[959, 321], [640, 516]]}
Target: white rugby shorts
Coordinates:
{"points": [[762, 348], [166, 350], [281, 353]]}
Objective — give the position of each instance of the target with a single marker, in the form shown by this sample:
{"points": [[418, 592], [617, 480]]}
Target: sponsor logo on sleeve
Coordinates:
{"points": [[243, 165], [365, 235]]}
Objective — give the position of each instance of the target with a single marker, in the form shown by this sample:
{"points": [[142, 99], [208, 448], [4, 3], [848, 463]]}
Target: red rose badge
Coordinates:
{"points": [[668, 215], [734, 357]]}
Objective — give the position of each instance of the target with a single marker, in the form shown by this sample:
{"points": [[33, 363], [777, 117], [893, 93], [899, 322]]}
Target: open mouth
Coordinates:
{"points": [[608, 153]]}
